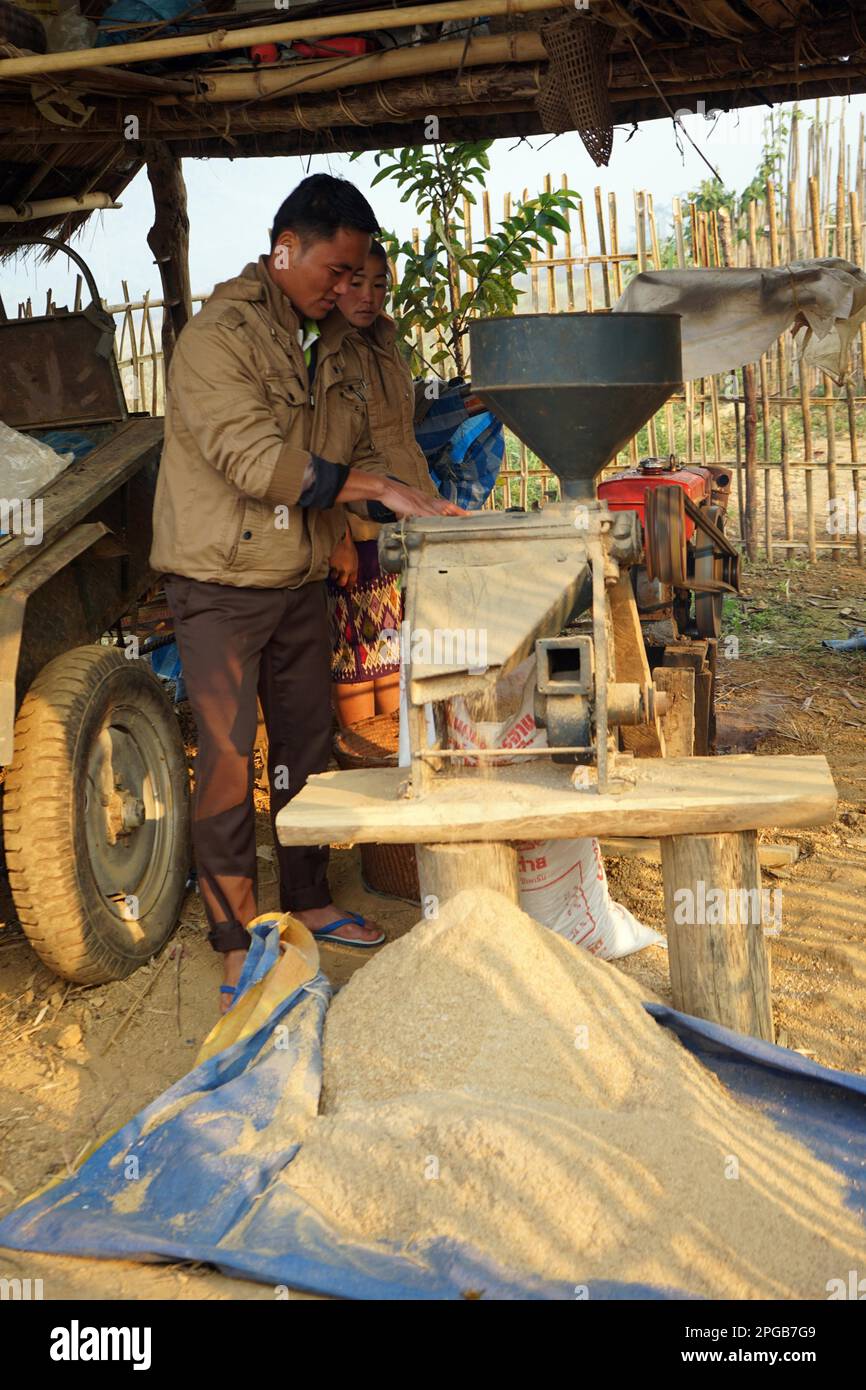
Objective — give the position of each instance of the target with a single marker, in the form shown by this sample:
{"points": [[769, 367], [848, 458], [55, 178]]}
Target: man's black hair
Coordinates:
{"points": [[320, 206]]}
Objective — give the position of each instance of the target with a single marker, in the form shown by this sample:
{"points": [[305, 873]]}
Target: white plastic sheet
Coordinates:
{"points": [[26, 465], [730, 317]]}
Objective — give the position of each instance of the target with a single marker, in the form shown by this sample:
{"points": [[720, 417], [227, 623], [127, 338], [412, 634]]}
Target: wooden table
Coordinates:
{"points": [[704, 811]]}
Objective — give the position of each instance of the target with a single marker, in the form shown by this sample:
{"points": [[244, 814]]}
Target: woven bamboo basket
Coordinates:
{"points": [[388, 869]]}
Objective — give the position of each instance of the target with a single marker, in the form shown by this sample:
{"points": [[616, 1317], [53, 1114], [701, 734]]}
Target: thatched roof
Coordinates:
{"points": [[67, 133]]}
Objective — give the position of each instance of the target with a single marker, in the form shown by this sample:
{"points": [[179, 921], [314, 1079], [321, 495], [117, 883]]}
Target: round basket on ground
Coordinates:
{"points": [[388, 869]]}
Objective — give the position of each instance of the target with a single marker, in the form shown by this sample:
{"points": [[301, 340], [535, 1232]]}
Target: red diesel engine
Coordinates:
{"points": [[682, 513]]}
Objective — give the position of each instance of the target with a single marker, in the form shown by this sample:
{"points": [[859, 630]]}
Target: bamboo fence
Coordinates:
{"points": [[790, 438]]}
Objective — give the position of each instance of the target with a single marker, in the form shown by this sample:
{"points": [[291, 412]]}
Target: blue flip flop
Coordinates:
{"points": [[353, 919], [230, 989]]}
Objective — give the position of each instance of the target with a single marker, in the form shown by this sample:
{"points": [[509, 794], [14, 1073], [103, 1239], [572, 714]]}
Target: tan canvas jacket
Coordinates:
{"points": [[391, 410], [240, 426]]}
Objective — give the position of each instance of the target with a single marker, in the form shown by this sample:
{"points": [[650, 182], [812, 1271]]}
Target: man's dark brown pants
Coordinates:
{"points": [[236, 644]]}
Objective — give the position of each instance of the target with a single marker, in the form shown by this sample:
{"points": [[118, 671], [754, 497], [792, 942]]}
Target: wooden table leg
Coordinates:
{"points": [[678, 724], [444, 870], [719, 962]]}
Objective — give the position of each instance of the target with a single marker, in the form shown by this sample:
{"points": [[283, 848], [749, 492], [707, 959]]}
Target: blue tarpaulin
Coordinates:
{"points": [[464, 452], [205, 1153]]}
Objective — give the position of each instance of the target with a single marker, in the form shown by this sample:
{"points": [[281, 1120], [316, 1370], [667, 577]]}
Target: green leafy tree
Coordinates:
{"points": [[711, 195], [438, 178]]}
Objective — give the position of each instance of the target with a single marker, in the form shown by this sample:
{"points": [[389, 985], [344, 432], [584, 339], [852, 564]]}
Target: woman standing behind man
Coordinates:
{"points": [[364, 602]]}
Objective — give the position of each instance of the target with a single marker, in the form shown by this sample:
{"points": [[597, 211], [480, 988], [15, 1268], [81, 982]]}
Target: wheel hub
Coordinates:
{"points": [[124, 812]]}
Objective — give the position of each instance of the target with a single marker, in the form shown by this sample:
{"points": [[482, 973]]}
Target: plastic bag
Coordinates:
{"points": [[26, 466], [563, 884], [68, 30]]}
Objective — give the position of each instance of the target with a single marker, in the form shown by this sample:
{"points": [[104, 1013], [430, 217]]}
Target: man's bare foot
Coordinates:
{"points": [[233, 964], [315, 918]]}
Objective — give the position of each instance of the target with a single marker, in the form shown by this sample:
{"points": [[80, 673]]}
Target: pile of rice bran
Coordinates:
{"points": [[488, 1082]]}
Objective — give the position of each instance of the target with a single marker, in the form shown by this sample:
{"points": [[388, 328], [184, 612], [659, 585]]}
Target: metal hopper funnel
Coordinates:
{"points": [[576, 387]]}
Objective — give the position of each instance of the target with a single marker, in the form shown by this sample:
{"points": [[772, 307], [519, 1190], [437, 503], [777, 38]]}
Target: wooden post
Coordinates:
{"points": [[678, 722], [719, 962], [444, 870], [168, 239]]}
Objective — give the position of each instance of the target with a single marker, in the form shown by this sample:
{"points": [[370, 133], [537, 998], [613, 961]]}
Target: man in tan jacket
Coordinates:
{"points": [[266, 436]]}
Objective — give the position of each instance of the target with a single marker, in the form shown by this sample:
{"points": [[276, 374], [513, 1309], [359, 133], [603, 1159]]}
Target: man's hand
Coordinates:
{"points": [[344, 562], [403, 500], [399, 498]]}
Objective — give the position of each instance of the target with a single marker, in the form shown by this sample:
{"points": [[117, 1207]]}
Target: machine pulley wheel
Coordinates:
{"points": [[666, 535], [709, 568]]}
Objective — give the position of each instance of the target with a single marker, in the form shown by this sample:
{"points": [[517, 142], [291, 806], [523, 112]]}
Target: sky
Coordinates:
{"points": [[232, 202]]}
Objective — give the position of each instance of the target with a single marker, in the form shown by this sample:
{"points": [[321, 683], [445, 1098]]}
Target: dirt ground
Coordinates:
{"points": [[76, 1063]]}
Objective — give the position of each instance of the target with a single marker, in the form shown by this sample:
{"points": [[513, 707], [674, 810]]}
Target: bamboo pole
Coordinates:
{"points": [[714, 228], [584, 251], [688, 389], [640, 228], [569, 263], [840, 240], [860, 539], [640, 204], [768, 520], [794, 213], [614, 242], [141, 364], [856, 254], [654, 240], [703, 238], [133, 350], [793, 178], [420, 346], [657, 263], [613, 223], [467, 242], [551, 269], [329, 74], [602, 244], [810, 516], [829, 409], [765, 404], [750, 419], [54, 207], [677, 212], [860, 175], [533, 271], [825, 180], [782, 368], [727, 253], [803, 382], [222, 40]]}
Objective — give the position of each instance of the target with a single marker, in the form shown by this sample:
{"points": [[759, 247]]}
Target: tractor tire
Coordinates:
{"points": [[96, 815]]}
